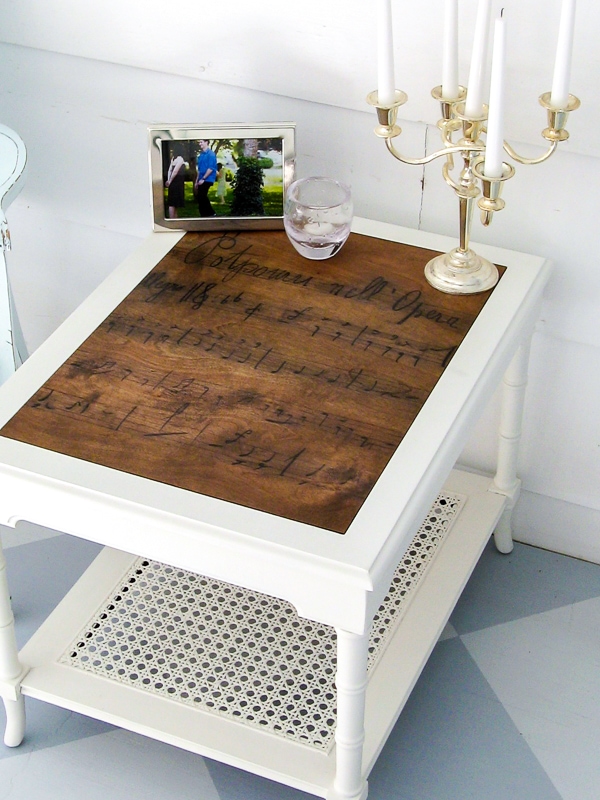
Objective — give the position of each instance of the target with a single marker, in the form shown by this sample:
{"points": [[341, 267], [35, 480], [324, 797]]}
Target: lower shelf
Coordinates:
{"points": [[237, 676]]}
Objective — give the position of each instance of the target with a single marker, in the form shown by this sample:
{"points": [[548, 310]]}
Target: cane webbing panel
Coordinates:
{"points": [[238, 653]]}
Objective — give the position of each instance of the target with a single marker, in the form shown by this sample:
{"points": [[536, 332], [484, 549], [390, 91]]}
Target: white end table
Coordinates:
{"points": [[192, 588]]}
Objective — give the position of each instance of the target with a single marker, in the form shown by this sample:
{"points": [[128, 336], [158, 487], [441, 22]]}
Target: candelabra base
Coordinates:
{"points": [[461, 272]]}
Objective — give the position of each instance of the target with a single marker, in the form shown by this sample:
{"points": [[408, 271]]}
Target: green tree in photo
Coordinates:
{"points": [[247, 189]]}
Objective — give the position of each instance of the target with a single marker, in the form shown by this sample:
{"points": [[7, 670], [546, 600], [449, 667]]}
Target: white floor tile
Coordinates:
{"points": [[112, 766], [25, 533], [545, 669]]}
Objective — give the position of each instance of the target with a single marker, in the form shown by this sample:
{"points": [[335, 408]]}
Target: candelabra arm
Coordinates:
{"points": [[522, 160], [388, 130], [458, 148], [446, 169]]}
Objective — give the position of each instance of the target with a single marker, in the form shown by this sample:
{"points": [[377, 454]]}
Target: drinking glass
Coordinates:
{"points": [[317, 216]]}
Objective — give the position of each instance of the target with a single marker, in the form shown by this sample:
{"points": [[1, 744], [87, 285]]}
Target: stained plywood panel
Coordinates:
{"points": [[240, 370]]}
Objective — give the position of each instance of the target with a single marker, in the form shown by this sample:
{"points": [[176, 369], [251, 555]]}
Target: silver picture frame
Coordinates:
{"points": [[254, 163]]}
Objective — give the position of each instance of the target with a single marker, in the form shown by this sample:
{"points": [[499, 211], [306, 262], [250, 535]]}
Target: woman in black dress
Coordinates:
{"points": [[175, 185]]}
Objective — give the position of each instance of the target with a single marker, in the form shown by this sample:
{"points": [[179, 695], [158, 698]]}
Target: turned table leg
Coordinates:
{"points": [[506, 480], [351, 684], [10, 667]]}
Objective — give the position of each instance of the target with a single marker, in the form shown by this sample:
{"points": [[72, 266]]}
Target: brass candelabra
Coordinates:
{"points": [[462, 271]]}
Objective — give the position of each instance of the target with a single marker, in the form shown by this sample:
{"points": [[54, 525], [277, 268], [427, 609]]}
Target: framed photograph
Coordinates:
{"points": [[220, 177]]}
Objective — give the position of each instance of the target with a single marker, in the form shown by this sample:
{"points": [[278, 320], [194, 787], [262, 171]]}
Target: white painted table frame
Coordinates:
{"points": [[333, 579]]}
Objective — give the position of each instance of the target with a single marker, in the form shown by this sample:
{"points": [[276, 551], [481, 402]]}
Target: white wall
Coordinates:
{"points": [[81, 83]]}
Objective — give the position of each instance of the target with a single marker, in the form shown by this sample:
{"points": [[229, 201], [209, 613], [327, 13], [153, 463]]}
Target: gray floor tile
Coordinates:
{"points": [[455, 741], [235, 784], [527, 581], [544, 670], [24, 533], [115, 766], [50, 726], [39, 576]]}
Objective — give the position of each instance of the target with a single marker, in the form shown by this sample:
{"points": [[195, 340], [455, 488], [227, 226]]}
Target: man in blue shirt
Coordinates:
{"points": [[207, 174]]}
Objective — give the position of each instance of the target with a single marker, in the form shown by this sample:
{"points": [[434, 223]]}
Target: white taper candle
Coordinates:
{"points": [[450, 51], [474, 103], [559, 97], [495, 128], [385, 54]]}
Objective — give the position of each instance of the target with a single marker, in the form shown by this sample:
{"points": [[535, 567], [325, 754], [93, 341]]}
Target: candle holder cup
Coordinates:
{"points": [[557, 117], [472, 126], [387, 115], [446, 103], [491, 189]]}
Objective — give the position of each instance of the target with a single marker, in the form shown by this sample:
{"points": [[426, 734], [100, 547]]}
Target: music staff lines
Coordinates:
{"points": [[225, 438], [177, 387], [245, 305], [261, 357]]}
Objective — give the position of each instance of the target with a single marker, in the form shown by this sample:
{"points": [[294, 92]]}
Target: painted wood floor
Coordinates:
{"points": [[507, 708]]}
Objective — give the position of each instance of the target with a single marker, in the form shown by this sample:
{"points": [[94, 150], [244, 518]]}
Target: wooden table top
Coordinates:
{"points": [[239, 370]]}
